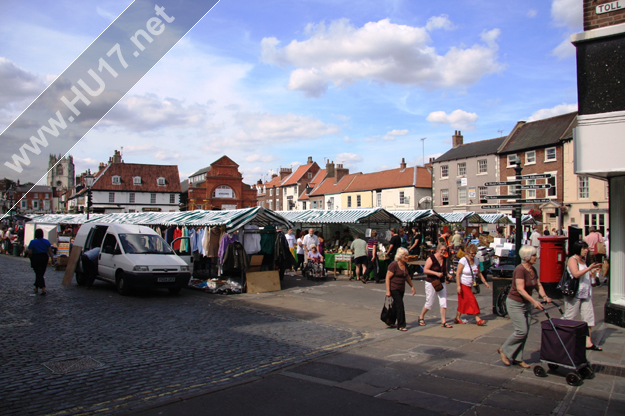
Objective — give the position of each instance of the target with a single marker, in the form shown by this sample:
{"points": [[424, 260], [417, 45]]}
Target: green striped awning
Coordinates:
{"points": [[496, 218], [341, 216], [418, 215], [456, 217]]}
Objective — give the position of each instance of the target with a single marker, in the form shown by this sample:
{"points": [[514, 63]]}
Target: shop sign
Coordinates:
{"points": [[227, 206], [609, 7], [150, 209], [223, 193], [472, 193]]}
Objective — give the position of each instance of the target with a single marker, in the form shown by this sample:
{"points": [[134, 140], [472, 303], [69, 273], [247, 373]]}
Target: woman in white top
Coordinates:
{"points": [[300, 252], [468, 270], [581, 303]]}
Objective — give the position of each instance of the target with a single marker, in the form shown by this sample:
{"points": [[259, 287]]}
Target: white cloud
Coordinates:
{"points": [[259, 158], [348, 160], [105, 14], [568, 13], [532, 13], [439, 22], [564, 49], [393, 134], [264, 127], [552, 112], [457, 119], [346, 139], [17, 84], [382, 52]]}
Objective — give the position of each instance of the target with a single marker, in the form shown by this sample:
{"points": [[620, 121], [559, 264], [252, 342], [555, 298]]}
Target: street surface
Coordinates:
{"points": [[312, 348]]}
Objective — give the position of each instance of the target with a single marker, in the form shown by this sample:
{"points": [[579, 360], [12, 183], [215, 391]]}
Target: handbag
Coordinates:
{"points": [[568, 285], [389, 313], [475, 287], [600, 248], [438, 285]]}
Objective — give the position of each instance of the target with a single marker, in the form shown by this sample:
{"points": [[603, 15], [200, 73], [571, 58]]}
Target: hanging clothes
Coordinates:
{"points": [[177, 234], [267, 239], [184, 243], [214, 242], [205, 241], [169, 235], [251, 239], [235, 258], [223, 245], [192, 241], [282, 256]]}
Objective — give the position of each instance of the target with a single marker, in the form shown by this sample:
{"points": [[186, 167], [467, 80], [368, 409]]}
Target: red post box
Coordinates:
{"points": [[552, 263]]}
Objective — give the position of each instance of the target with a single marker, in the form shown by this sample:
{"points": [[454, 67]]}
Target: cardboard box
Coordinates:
{"points": [[509, 246], [501, 252], [500, 241]]}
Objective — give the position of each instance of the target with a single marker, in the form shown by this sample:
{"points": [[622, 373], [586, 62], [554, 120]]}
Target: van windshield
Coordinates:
{"points": [[144, 244]]}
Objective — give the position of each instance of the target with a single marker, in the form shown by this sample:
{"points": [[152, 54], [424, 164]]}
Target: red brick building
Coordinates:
{"points": [[219, 186]]}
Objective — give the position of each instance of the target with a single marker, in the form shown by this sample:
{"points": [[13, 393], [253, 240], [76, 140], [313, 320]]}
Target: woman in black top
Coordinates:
{"points": [[396, 278], [436, 267]]}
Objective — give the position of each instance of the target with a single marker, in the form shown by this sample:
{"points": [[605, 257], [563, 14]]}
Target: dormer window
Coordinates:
{"points": [[161, 181], [136, 180], [117, 180]]}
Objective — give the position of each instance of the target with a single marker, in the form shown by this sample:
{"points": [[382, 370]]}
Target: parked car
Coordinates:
{"points": [[132, 257]]}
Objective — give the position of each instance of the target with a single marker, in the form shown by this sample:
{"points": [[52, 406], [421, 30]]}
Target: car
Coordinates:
{"points": [[132, 257]]}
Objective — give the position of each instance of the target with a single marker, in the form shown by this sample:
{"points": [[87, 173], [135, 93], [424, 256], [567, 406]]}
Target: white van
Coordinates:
{"points": [[132, 256]]}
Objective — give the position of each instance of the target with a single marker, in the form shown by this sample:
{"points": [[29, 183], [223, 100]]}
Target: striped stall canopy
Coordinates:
{"points": [[232, 219], [418, 215], [454, 217], [496, 218], [526, 219], [342, 216]]}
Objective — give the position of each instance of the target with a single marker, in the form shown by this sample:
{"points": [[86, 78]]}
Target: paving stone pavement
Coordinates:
{"points": [[153, 346]]}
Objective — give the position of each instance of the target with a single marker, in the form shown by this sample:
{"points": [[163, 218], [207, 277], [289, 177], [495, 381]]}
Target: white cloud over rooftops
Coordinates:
{"points": [[552, 112], [568, 13], [393, 134], [457, 119], [342, 54]]}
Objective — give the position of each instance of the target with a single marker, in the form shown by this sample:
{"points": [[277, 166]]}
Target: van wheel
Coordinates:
{"points": [[122, 287], [80, 278], [175, 290]]}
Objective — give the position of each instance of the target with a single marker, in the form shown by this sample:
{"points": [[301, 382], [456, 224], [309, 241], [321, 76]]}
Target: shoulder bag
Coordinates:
{"points": [[568, 284], [389, 313], [600, 248], [474, 286]]}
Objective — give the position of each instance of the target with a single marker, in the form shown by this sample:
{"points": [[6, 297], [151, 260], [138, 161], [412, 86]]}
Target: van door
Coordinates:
{"points": [[108, 253], [184, 252]]}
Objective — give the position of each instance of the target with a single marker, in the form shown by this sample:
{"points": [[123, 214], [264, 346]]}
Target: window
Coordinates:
{"points": [[35, 195], [172, 198], [161, 181], [47, 196], [358, 200], [402, 197], [550, 154], [314, 204], [111, 196], [349, 202], [482, 166], [309, 175], [270, 202], [277, 191], [444, 171], [582, 186], [198, 206], [152, 198], [24, 204], [553, 191], [117, 180], [331, 203], [271, 192], [512, 189], [131, 198], [136, 180], [483, 192], [304, 205], [594, 220], [530, 193], [462, 196], [511, 161], [462, 169], [46, 205], [530, 157], [35, 204], [378, 199], [445, 196]]}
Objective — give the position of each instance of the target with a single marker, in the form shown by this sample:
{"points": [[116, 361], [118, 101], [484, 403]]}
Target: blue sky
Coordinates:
{"points": [[271, 83]]}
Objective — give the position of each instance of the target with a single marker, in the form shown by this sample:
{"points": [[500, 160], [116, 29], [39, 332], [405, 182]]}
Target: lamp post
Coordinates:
{"points": [[89, 179], [11, 193]]}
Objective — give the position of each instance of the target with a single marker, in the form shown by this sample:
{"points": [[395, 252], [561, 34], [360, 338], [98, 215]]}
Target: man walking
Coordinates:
{"points": [[534, 240], [359, 246], [592, 239]]}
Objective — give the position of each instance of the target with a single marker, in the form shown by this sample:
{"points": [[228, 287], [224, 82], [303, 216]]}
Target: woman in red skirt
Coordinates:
{"points": [[468, 270]]}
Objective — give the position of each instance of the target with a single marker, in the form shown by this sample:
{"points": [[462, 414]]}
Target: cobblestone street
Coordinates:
{"points": [[152, 346]]}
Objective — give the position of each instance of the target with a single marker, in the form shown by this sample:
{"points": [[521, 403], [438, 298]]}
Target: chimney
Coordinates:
{"points": [[310, 161], [402, 165], [457, 139], [340, 172], [330, 173], [260, 182], [117, 157], [284, 172], [274, 175]]}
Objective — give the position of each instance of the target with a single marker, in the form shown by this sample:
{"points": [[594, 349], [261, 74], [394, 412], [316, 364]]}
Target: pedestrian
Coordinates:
{"points": [[309, 239], [90, 265], [347, 239], [397, 276], [456, 240], [322, 249], [535, 242], [415, 242], [5, 239], [436, 268], [468, 269], [373, 264], [292, 242], [546, 233], [301, 257], [592, 239], [519, 304], [314, 257], [500, 233], [581, 303], [395, 243], [39, 250], [359, 246]]}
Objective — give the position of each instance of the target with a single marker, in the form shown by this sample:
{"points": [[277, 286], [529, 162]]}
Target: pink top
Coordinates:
{"points": [[592, 239]]}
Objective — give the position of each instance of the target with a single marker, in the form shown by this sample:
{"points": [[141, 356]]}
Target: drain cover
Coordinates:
{"points": [[72, 364]]}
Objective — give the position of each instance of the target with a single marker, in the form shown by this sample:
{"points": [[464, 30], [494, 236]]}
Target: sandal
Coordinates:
{"points": [[522, 364], [446, 325], [403, 329], [421, 322], [459, 321], [481, 322], [594, 348]]}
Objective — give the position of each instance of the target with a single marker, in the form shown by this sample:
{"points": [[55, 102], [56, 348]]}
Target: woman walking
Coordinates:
{"points": [[396, 278], [468, 269], [581, 303], [39, 250], [436, 268], [519, 304]]}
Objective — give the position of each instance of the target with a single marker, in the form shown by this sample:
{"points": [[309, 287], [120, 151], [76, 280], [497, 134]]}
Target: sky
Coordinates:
{"points": [[271, 83]]}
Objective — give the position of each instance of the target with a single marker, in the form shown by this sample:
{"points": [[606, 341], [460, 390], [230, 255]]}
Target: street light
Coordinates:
{"points": [[89, 179], [11, 193]]}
